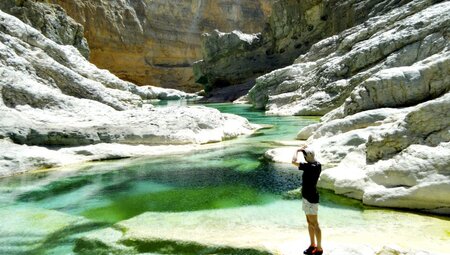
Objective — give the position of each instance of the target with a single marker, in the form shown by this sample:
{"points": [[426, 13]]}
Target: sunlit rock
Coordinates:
{"points": [[156, 42], [52, 96], [400, 162], [400, 52], [292, 29], [384, 89], [51, 20]]}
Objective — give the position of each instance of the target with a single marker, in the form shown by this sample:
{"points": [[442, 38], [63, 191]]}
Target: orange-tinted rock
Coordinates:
{"points": [[156, 42]]}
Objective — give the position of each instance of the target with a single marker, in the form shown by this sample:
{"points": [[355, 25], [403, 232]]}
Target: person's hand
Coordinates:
{"points": [[302, 148]]}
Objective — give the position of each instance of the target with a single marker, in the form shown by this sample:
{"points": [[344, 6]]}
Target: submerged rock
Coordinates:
{"points": [[36, 230], [276, 228], [52, 96]]}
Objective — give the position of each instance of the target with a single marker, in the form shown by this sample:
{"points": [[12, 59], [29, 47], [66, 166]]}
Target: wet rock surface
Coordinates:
{"points": [[231, 231]]}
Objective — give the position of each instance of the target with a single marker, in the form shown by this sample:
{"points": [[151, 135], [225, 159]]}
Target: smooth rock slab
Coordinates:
{"points": [[276, 228], [50, 95]]}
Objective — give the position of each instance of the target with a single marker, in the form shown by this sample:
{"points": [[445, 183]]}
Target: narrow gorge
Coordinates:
{"points": [[118, 134]]}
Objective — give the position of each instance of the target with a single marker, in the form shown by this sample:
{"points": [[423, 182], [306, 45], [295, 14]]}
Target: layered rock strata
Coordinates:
{"points": [[293, 28], [156, 42], [324, 77], [51, 20], [52, 96], [384, 88]]}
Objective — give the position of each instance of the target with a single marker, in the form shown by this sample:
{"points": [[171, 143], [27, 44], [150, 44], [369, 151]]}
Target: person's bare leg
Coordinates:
{"points": [[316, 229], [311, 231]]}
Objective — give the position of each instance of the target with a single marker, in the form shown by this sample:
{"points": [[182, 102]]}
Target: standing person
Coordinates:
{"points": [[311, 172]]}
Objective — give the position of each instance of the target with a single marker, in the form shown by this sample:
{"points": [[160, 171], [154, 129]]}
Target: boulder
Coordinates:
{"points": [[383, 88]]}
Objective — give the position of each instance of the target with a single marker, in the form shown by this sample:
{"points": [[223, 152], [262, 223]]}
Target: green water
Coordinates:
{"points": [[44, 213]]}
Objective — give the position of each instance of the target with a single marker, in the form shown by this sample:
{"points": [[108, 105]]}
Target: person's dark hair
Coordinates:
{"points": [[304, 153]]}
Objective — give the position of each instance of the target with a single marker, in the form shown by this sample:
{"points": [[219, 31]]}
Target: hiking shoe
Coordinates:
{"points": [[317, 252], [309, 250]]}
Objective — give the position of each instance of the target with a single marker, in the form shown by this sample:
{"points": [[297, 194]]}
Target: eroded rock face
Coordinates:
{"points": [[389, 157], [156, 42], [399, 162], [51, 20], [384, 88], [51, 95], [325, 76], [293, 28]]}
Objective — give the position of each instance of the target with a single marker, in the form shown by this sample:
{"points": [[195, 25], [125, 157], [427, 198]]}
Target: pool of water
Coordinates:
{"points": [[45, 212]]}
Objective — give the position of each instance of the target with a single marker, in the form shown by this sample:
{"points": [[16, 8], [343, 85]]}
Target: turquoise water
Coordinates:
{"points": [[44, 213]]}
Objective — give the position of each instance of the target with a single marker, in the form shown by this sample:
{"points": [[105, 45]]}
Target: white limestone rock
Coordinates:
{"points": [[387, 157], [168, 94], [411, 38], [51, 95], [384, 89], [357, 121], [398, 164], [399, 86], [418, 177], [51, 20]]}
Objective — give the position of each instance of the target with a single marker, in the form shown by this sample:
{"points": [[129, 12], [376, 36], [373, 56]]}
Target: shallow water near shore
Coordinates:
{"points": [[45, 212]]}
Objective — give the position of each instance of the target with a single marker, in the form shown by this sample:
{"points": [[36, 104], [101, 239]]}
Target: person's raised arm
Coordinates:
{"points": [[294, 158]]}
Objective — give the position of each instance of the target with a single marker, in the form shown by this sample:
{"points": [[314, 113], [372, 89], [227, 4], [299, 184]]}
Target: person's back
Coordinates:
{"points": [[310, 176], [311, 172]]}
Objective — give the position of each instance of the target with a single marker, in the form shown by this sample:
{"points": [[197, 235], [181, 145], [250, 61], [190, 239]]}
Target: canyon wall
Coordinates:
{"points": [[51, 20], [156, 42], [57, 108], [384, 89], [294, 26]]}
